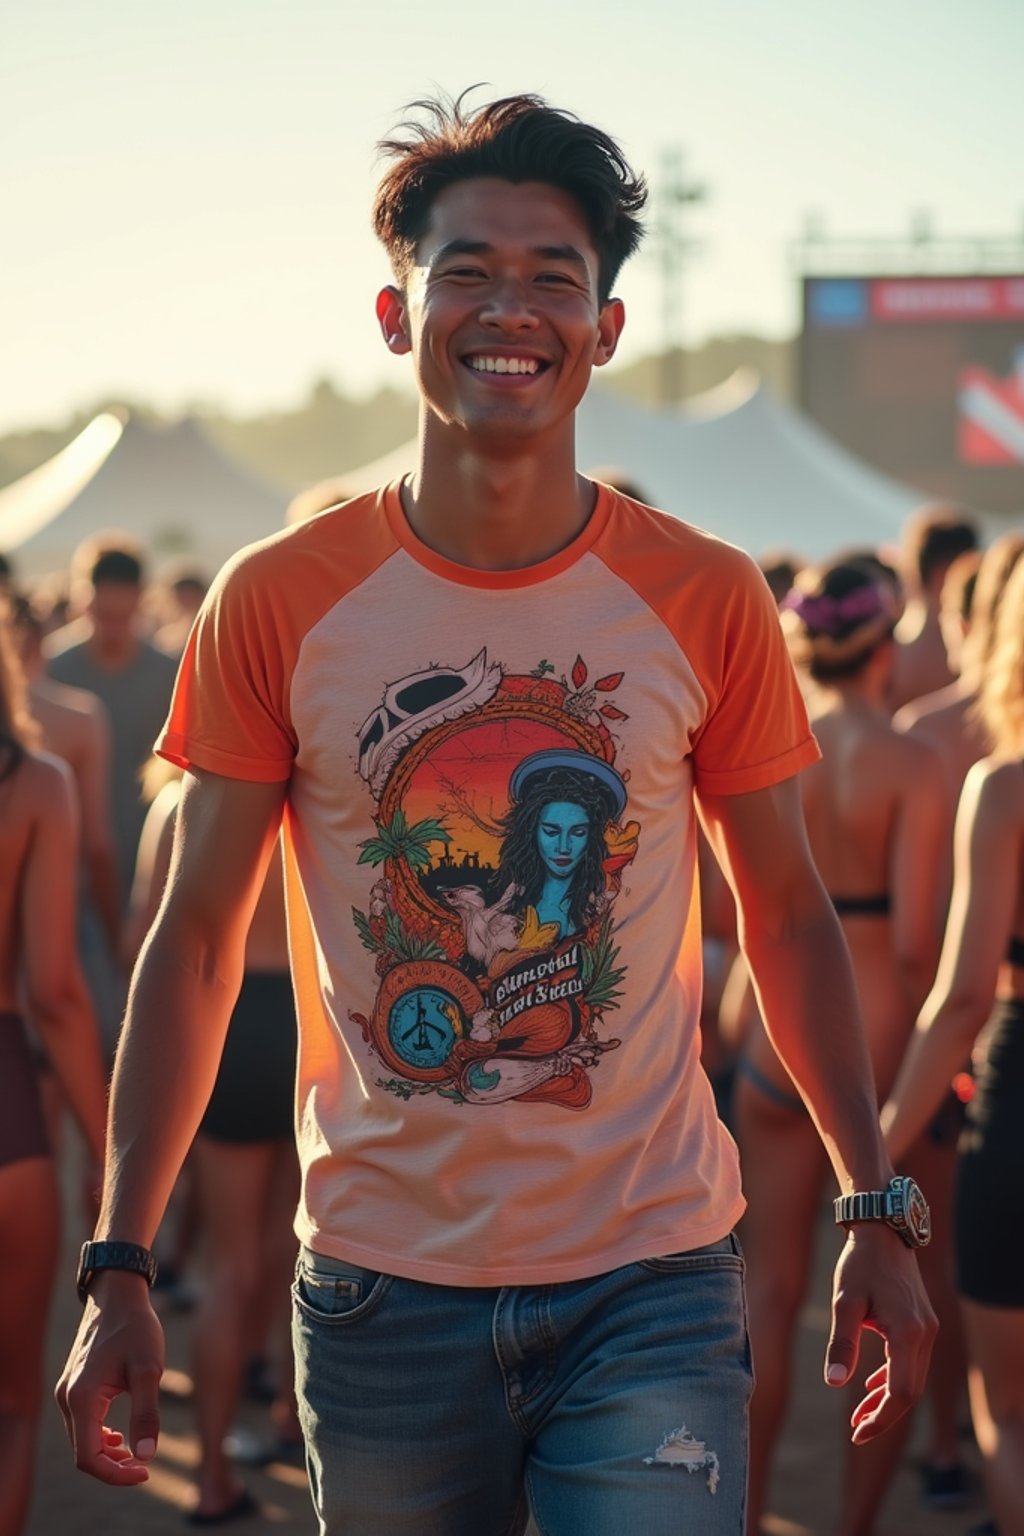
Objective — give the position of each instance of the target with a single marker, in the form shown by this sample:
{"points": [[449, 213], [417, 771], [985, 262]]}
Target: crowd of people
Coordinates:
{"points": [[538, 1212], [914, 673], [84, 688], [900, 671]]}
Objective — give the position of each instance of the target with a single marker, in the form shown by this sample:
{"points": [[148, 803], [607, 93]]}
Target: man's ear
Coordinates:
{"points": [[391, 318], [610, 322]]}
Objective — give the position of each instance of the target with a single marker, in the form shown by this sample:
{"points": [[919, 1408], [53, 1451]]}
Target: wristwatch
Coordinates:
{"points": [[901, 1206], [127, 1256]]}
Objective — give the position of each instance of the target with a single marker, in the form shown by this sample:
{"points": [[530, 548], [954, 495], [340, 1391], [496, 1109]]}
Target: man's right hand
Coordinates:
{"points": [[119, 1348]]}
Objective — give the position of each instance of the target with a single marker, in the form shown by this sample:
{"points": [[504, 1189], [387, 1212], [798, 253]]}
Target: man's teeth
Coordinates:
{"points": [[504, 364]]}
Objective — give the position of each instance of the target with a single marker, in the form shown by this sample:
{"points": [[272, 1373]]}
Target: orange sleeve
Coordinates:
{"points": [[229, 712], [753, 730], [756, 731]]}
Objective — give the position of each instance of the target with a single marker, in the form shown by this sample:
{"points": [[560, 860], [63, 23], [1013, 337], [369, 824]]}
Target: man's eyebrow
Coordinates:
{"points": [[461, 246], [566, 253]]}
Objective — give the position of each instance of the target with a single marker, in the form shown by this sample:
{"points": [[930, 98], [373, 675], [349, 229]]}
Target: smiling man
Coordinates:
{"points": [[486, 705]]}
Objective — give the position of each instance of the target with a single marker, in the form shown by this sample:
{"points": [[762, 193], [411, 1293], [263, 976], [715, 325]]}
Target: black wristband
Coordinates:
{"points": [[129, 1257]]}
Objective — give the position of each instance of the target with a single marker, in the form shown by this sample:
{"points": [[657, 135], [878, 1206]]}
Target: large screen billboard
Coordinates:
{"points": [[922, 377]]}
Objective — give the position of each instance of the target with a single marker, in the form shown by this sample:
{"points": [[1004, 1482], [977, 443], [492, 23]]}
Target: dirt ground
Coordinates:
{"points": [[804, 1499]]}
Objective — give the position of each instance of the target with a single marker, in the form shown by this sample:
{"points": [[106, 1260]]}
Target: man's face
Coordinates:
{"points": [[502, 312], [113, 609]]}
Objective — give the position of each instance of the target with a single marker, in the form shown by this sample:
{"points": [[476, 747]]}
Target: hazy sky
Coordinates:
{"points": [[184, 189]]}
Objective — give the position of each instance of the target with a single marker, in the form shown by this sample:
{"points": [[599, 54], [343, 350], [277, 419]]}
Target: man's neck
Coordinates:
{"points": [[495, 510]]}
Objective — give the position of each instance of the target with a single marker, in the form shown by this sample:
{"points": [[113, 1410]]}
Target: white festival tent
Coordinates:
{"points": [[170, 487], [735, 461]]}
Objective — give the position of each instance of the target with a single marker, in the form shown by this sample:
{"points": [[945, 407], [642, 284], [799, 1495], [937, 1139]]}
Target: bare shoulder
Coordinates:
{"points": [[916, 753], [78, 701], [995, 786], [44, 781], [871, 744], [74, 722], [938, 721]]}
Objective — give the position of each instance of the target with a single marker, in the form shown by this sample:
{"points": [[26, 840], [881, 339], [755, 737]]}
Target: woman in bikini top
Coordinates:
{"points": [[872, 805], [38, 967]]}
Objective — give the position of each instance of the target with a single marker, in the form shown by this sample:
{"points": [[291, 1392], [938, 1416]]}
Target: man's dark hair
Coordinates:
{"points": [[933, 537], [517, 139], [116, 565], [112, 555]]}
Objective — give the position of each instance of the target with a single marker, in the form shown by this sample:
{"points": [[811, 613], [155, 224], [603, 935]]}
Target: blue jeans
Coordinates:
{"points": [[605, 1406]]}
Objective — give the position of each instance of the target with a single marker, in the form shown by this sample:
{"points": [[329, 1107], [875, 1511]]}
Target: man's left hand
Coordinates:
{"points": [[878, 1286]]}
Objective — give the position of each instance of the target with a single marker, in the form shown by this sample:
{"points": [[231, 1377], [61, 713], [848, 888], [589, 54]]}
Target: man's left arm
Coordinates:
{"points": [[805, 985]]}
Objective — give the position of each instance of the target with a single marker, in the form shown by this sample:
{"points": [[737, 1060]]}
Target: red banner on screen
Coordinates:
{"points": [[928, 300]]}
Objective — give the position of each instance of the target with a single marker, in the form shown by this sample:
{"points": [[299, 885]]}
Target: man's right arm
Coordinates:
{"points": [[182, 994]]}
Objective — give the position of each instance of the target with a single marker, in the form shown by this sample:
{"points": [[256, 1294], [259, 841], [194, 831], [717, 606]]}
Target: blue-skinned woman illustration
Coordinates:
{"points": [[532, 1043], [553, 849]]}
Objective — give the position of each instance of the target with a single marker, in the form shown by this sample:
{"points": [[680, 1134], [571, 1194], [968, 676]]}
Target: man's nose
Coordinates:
{"points": [[508, 305]]}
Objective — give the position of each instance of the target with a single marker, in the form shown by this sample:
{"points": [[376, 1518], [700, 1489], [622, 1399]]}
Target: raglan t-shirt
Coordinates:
{"points": [[490, 859]]}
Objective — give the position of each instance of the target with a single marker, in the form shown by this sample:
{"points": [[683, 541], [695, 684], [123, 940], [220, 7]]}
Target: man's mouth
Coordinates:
{"points": [[491, 363]]}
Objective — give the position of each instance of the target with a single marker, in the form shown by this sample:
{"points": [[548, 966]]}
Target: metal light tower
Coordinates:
{"points": [[674, 194]]}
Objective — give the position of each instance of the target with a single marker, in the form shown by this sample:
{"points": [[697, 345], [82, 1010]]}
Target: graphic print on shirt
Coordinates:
{"points": [[501, 843]]}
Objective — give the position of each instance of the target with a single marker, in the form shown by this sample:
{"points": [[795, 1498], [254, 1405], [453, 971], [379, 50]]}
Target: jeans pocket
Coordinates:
{"points": [[725, 1254], [330, 1290]]}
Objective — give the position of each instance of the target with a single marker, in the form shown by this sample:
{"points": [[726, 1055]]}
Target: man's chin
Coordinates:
{"points": [[504, 420]]}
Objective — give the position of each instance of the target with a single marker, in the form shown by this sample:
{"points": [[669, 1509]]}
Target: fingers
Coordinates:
{"points": [[879, 1287], [114, 1446], [97, 1373], [878, 1410], [894, 1387], [98, 1450], [877, 1377], [144, 1427], [848, 1317], [867, 1408]]}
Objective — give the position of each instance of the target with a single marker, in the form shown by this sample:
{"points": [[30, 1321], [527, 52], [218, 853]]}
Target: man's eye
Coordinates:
{"points": [[464, 272], [554, 277]]}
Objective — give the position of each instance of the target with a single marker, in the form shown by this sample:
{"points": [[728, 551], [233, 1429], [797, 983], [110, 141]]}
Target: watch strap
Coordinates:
{"points": [[864, 1205], [131, 1258]]}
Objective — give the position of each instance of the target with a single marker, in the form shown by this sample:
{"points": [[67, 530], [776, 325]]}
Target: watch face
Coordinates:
{"points": [[909, 1212]]}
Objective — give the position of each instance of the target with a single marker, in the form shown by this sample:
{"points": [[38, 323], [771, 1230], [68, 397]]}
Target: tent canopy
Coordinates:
{"points": [[170, 487], [735, 461]]}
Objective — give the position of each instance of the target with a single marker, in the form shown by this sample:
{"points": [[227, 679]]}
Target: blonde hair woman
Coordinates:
{"points": [[983, 960], [38, 965]]}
